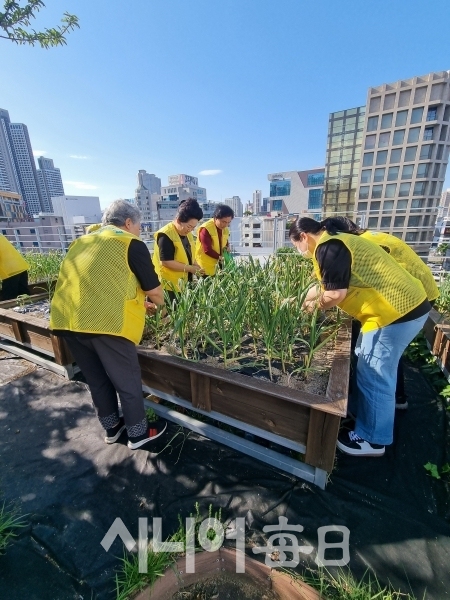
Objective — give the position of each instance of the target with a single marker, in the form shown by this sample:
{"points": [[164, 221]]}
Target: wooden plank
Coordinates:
{"points": [[24, 318], [165, 377], [200, 390], [6, 328], [277, 416], [321, 443], [29, 300], [19, 333], [244, 381], [338, 382]]}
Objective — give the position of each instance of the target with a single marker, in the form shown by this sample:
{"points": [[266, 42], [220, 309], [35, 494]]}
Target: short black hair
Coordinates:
{"points": [[189, 209], [222, 211]]}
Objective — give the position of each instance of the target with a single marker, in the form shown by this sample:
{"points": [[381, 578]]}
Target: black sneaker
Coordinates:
{"points": [[401, 403], [350, 443], [155, 429], [113, 434]]}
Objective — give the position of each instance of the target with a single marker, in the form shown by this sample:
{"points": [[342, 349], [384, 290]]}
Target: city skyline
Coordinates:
{"points": [[238, 100]]}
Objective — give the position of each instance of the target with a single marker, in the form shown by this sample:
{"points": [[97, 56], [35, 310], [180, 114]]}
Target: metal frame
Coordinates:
{"points": [[271, 457], [67, 371]]}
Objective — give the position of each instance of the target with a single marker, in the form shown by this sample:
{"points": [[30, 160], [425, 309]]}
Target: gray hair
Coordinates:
{"points": [[119, 211]]}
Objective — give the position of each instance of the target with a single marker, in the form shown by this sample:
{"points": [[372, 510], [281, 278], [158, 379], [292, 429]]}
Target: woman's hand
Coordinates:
{"points": [[196, 270]]}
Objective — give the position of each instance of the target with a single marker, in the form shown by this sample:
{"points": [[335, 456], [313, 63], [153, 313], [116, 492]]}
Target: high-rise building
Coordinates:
{"points": [[236, 204], [179, 188], [295, 192], [400, 150], [257, 197], [18, 163], [147, 196], [50, 182]]}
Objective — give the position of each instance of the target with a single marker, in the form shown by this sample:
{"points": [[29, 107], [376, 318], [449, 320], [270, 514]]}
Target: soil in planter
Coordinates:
{"points": [[39, 309], [225, 587]]}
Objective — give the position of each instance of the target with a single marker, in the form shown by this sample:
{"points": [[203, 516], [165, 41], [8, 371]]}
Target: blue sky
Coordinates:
{"points": [[240, 87]]}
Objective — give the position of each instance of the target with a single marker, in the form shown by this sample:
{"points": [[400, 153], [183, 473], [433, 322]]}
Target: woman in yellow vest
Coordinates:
{"points": [[99, 308], [409, 260], [213, 238], [13, 271], [364, 281], [174, 252]]}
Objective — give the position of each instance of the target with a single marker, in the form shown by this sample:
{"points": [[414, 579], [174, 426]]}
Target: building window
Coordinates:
{"points": [[373, 222], [410, 153], [443, 135], [316, 179], [399, 135], [256, 225], [370, 142], [386, 121], [385, 222], [401, 117], [4, 231], [432, 113], [277, 205], [402, 204], [411, 236], [407, 171], [426, 152], [35, 243], [396, 155], [375, 206], [427, 134], [280, 188], [314, 199], [414, 221], [404, 189], [362, 206], [366, 175], [376, 192], [383, 140], [399, 221], [379, 174], [388, 205], [256, 235], [419, 188], [381, 157], [368, 159], [433, 188], [372, 123], [440, 152], [364, 192], [32, 230], [417, 203], [422, 170], [437, 167], [426, 221], [246, 235], [413, 134], [416, 115], [389, 192], [393, 173]]}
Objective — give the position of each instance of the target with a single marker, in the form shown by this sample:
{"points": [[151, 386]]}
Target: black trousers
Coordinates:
{"points": [[15, 286], [110, 365]]}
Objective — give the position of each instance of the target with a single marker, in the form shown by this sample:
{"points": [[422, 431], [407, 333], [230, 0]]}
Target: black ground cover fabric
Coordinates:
{"points": [[54, 462]]}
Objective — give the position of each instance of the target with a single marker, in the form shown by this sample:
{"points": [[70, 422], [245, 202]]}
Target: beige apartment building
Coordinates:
{"points": [[386, 162]]}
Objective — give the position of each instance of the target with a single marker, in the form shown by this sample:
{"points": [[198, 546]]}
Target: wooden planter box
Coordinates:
{"points": [[300, 421], [437, 334], [30, 337]]}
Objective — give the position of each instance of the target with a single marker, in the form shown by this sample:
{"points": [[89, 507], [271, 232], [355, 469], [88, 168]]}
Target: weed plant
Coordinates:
{"points": [[252, 309], [10, 522], [43, 266]]}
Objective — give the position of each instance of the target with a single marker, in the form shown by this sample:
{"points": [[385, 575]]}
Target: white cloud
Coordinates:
{"points": [[80, 185], [207, 172], [79, 156], [39, 152]]}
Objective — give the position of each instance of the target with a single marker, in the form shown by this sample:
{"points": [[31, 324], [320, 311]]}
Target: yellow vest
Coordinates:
{"points": [[380, 291], [96, 291], [206, 262], [169, 278], [11, 261], [407, 258]]}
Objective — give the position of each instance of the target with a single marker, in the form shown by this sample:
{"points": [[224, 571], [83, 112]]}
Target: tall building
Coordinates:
{"points": [[257, 197], [295, 192], [401, 158], [236, 204], [147, 195], [18, 163], [50, 182], [179, 188]]}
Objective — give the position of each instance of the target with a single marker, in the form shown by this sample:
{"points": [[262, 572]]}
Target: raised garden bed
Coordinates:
{"points": [[306, 423], [29, 337], [437, 334]]}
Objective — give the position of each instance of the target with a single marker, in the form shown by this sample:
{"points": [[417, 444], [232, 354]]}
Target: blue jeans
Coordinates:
{"points": [[378, 353]]}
